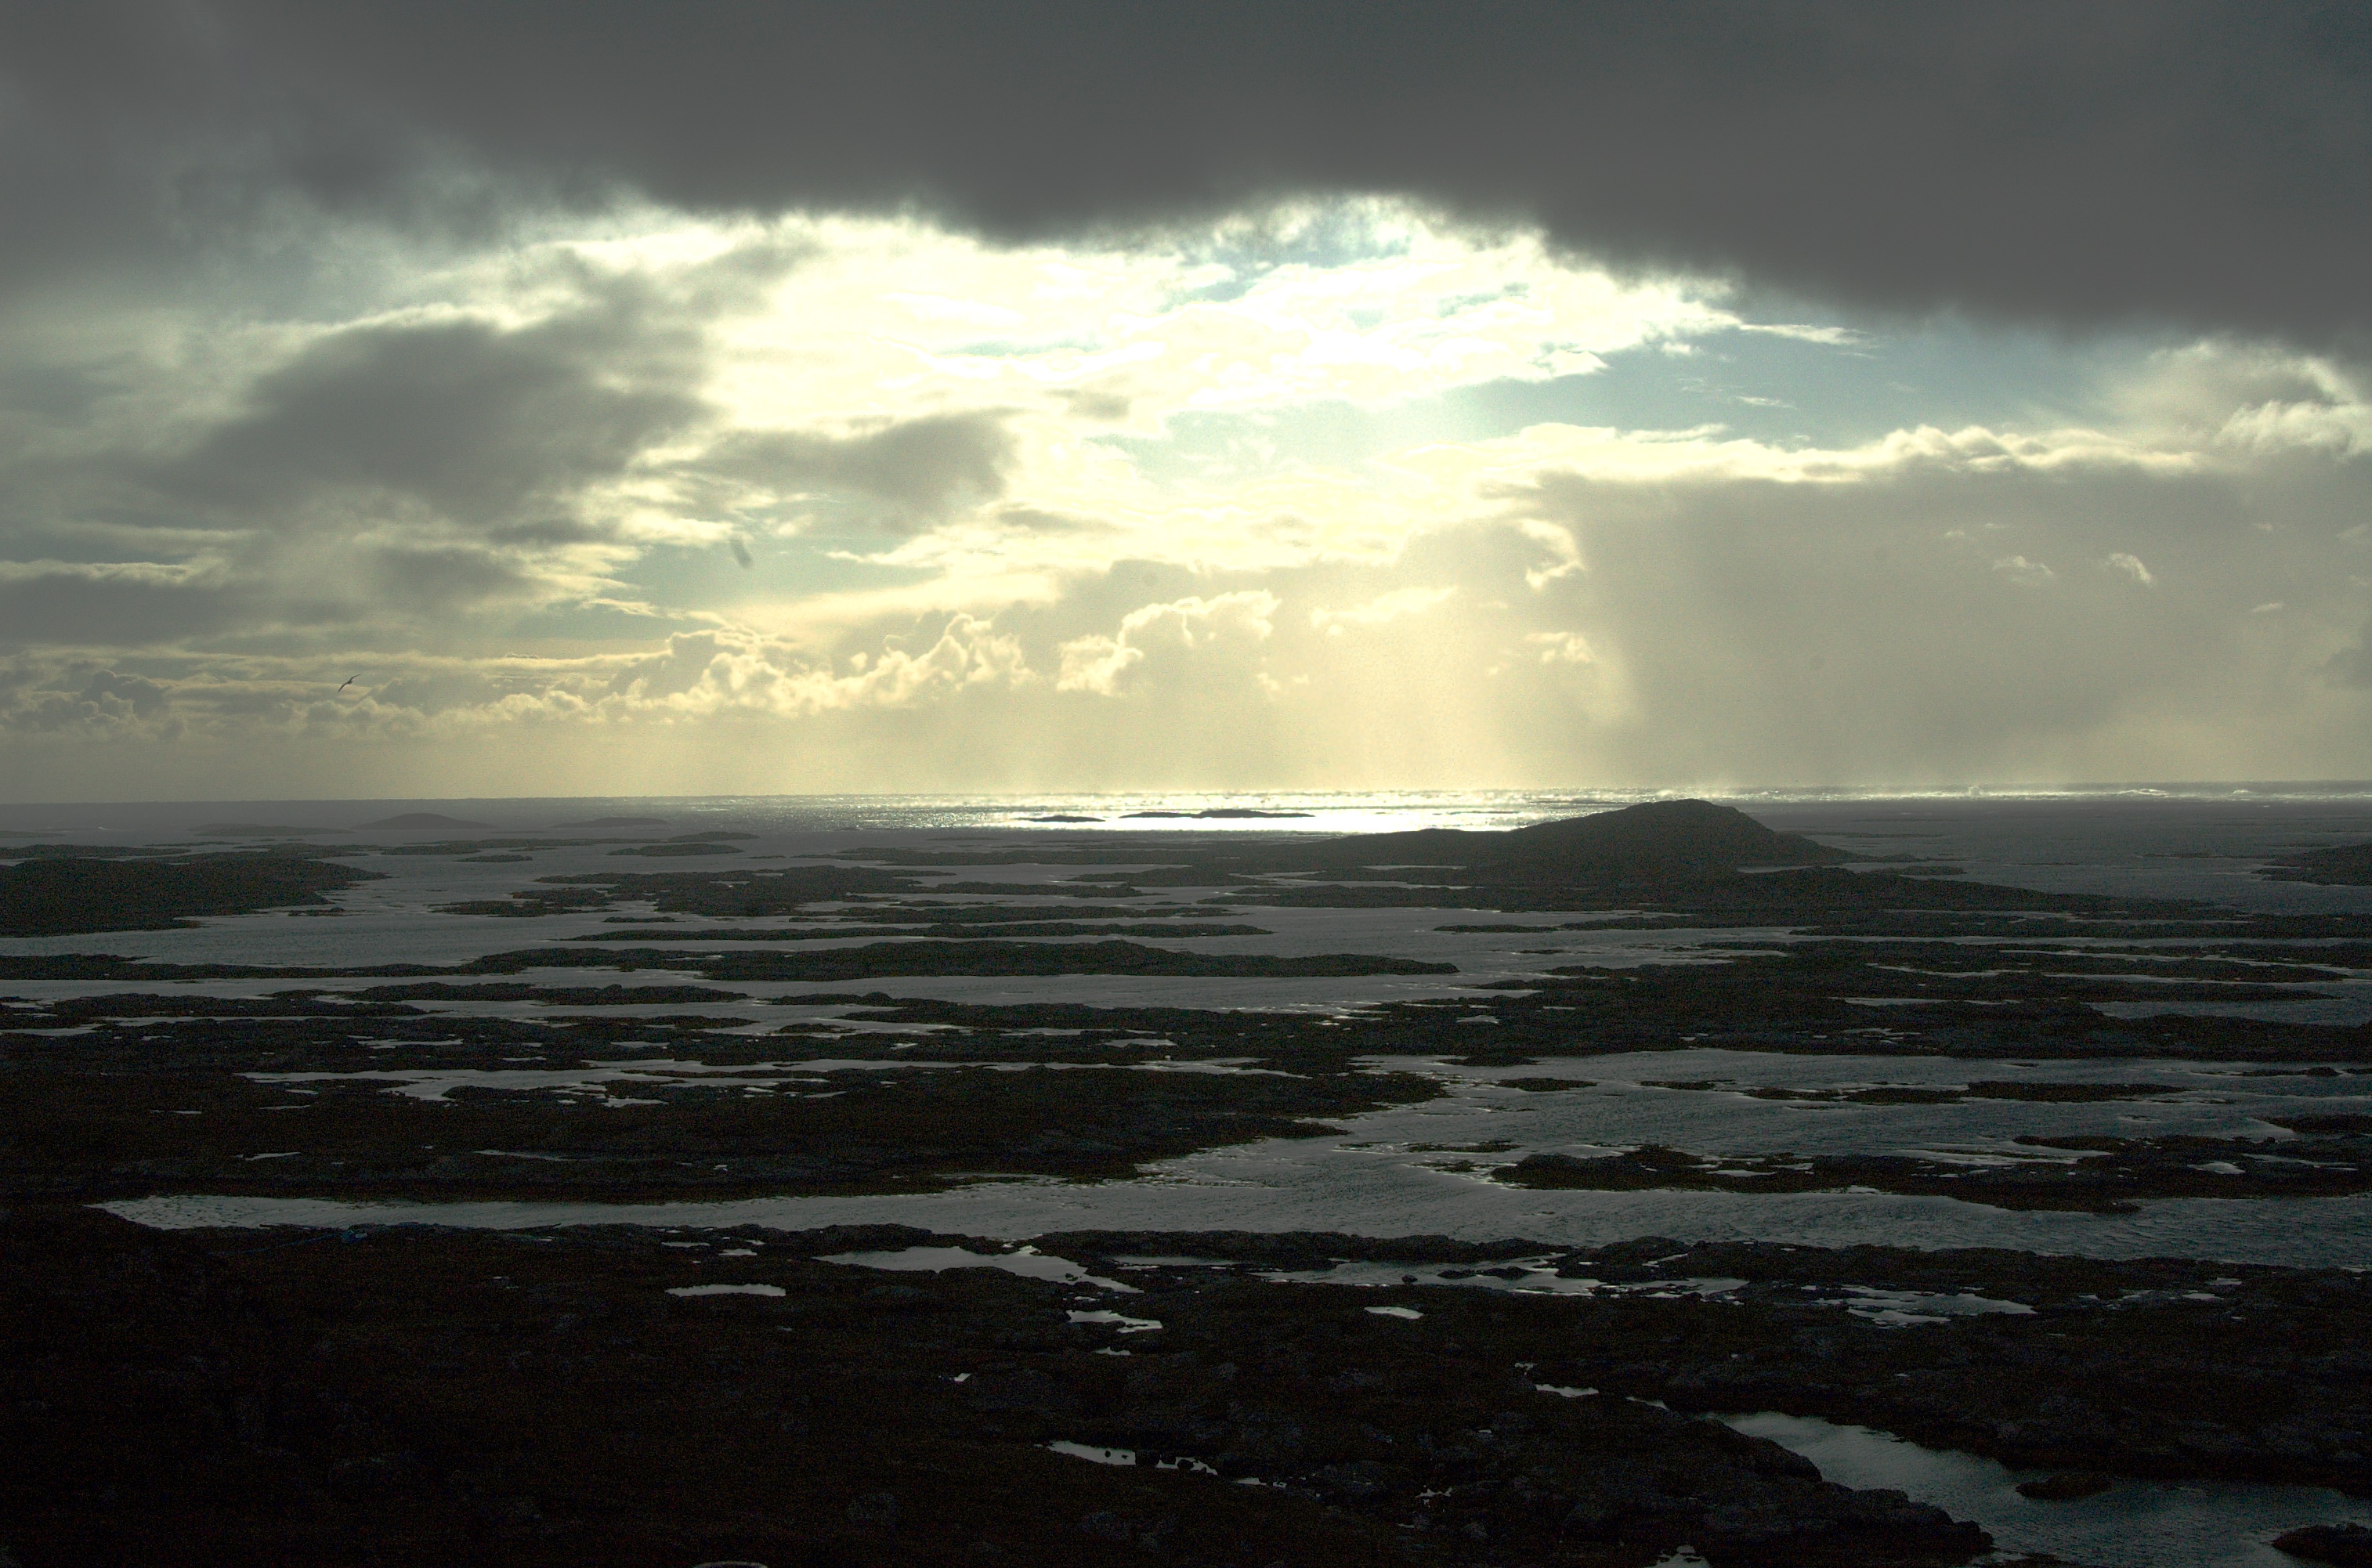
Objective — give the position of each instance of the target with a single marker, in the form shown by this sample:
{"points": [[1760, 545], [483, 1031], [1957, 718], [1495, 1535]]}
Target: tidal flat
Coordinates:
{"points": [[1624, 1121]]}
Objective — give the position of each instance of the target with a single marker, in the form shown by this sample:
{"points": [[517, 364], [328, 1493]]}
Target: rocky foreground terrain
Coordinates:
{"points": [[421, 1396]]}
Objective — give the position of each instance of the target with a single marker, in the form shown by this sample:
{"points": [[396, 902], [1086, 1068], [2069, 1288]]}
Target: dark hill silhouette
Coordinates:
{"points": [[426, 820], [1661, 839]]}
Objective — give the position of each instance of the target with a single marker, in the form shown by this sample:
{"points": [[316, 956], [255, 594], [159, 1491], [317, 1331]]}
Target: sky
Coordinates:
{"points": [[607, 398]]}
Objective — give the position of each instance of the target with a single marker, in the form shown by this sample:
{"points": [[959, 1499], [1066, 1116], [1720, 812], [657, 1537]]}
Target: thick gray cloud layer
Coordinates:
{"points": [[625, 392], [917, 466], [476, 424], [2209, 163]]}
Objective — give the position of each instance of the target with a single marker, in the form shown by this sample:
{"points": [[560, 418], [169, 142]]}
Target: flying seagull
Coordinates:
{"points": [[349, 681]]}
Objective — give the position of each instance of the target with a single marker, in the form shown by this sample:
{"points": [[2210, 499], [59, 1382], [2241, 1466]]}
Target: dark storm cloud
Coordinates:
{"points": [[919, 466], [83, 607], [2210, 163], [447, 578], [478, 423]]}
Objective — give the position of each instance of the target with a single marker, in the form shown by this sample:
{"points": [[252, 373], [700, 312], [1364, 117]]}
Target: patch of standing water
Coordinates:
{"points": [[1027, 1261], [1314, 1195], [1532, 1277], [726, 1290], [1125, 1325], [1897, 1308], [2134, 1524], [1093, 1454], [1101, 1456]]}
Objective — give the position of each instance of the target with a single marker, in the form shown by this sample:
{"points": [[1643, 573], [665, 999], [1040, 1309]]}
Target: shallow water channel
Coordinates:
{"points": [[2134, 1524]]}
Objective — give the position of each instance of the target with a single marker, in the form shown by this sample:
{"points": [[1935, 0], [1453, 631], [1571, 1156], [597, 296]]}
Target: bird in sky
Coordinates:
{"points": [[348, 681]]}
